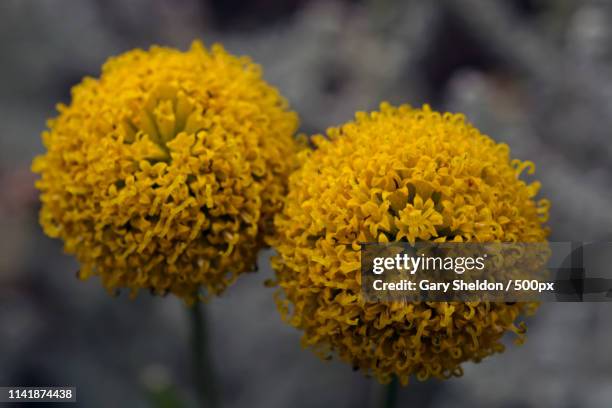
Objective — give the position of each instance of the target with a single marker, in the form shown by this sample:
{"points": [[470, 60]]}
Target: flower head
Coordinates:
{"points": [[165, 172], [399, 174]]}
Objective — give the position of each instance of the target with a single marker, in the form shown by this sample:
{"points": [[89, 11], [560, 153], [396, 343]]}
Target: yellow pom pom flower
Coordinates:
{"points": [[165, 172], [399, 174]]}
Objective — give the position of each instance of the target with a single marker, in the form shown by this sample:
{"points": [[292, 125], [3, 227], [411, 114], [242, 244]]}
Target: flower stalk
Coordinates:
{"points": [[390, 393], [203, 371]]}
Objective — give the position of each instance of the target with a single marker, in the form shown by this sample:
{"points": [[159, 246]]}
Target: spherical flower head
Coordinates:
{"points": [[399, 174], [165, 172]]}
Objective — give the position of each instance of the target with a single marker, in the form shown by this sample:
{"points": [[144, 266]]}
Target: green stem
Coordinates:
{"points": [[390, 397], [202, 364]]}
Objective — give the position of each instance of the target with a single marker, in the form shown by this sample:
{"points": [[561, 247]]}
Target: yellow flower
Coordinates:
{"points": [[399, 174], [418, 221], [165, 172]]}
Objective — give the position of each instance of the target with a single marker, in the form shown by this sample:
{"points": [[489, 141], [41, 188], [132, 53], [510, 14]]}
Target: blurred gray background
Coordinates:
{"points": [[536, 74]]}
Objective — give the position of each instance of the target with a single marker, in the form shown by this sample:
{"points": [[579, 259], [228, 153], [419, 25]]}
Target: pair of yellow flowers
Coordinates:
{"points": [[171, 171]]}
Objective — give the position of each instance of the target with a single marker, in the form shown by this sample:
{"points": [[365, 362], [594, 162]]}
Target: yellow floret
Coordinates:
{"points": [[165, 172], [399, 174]]}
